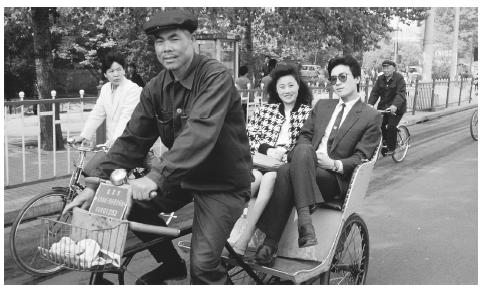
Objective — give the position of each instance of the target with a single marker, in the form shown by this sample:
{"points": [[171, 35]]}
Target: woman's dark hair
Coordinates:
{"points": [[349, 61], [304, 94], [110, 58]]}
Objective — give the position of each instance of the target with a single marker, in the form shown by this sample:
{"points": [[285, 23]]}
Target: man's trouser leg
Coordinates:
{"points": [[214, 217], [278, 209], [147, 213], [392, 131], [311, 184], [303, 176]]}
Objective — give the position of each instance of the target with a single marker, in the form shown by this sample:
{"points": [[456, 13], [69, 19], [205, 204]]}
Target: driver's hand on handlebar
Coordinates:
{"points": [[143, 188], [83, 200], [77, 139], [392, 109], [80, 140]]}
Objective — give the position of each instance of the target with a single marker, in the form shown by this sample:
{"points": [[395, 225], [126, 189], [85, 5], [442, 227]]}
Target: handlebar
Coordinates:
{"points": [[71, 142], [386, 111]]}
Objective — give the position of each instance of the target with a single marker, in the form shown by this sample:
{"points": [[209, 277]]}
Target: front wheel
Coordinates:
{"points": [[27, 228], [350, 261], [473, 125], [403, 142]]}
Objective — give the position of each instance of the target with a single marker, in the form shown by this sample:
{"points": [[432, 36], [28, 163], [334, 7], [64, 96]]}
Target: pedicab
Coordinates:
{"points": [[340, 257]]}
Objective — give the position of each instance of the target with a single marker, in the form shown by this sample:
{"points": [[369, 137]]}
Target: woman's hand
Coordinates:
{"points": [[276, 153]]}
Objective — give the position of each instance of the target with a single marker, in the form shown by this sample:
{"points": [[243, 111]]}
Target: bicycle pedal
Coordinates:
{"points": [[185, 246]]}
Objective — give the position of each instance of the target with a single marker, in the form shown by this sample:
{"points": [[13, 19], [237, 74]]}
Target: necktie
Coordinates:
{"points": [[335, 128]]}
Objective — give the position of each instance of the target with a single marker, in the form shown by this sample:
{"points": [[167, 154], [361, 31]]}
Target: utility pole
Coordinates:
{"points": [[428, 49], [395, 46], [455, 48]]}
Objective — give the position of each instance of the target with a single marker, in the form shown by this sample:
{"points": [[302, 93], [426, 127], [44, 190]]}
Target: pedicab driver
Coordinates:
{"points": [[194, 107]]}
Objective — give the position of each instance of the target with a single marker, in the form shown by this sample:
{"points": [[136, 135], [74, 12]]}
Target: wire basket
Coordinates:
{"points": [[84, 246]]}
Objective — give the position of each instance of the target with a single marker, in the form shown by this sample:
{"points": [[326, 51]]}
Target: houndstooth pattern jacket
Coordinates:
{"points": [[266, 122]]}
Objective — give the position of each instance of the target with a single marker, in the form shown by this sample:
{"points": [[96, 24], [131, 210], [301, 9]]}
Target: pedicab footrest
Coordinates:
{"points": [[95, 245]]}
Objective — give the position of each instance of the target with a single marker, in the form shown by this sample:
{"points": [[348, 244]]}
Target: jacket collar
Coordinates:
{"points": [[189, 78]]}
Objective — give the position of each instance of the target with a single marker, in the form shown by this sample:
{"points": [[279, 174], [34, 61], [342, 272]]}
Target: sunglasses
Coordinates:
{"points": [[342, 78]]}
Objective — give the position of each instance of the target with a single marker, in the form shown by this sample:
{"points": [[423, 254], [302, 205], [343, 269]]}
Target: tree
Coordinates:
{"points": [[19, 65], [350, 30], [43, 69]]}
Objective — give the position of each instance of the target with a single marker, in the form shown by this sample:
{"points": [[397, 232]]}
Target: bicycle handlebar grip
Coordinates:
{"points": [[153, 229], [93, 180]]}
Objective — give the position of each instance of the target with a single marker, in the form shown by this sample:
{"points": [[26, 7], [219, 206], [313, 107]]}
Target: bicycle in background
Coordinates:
{"points": [[403, 142], [46, 204], [473, 125]]}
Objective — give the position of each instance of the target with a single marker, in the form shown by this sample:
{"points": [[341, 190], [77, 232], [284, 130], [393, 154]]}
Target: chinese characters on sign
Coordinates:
{"points": [[110, 201]]}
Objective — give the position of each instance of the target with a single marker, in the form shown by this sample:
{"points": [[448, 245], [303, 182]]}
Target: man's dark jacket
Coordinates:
{"points": [[391, 92]]}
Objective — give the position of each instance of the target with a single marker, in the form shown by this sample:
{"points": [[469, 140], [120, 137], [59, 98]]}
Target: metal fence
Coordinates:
{"points": [[26, 162]]}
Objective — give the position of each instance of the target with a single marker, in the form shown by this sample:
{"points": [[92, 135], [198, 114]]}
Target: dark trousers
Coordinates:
{"points": [[299, 183], [389, 129], [214, 217]]}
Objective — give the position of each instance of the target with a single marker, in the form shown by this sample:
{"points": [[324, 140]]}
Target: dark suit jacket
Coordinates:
{"points": [[356, 140]]}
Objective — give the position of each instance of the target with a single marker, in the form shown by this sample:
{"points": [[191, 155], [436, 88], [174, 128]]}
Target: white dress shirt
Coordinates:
{"points": [[115, 107], [284, 135], [323, 146]]}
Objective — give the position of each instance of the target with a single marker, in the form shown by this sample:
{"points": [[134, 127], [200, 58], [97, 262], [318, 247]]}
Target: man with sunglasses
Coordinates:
{"points": [[390, 88], [338, 135]]}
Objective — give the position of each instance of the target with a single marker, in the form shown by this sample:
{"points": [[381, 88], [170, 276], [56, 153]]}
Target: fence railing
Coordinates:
{"points": [[26, 162]]}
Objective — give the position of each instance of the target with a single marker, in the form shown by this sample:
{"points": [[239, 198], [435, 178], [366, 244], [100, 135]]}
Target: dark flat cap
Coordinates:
{"points": [[171, 19], [388, 62]]}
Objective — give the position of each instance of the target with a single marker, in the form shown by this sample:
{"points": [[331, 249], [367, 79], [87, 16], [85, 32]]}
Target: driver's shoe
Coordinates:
{"points": [[175, 270]]}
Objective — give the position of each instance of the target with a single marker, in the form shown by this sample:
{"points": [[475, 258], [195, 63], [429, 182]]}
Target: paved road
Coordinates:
{"points": [[422, 222], [422, 213]]}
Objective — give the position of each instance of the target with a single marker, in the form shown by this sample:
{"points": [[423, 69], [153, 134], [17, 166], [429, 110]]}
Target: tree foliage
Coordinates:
{"points": [[305, 34]]}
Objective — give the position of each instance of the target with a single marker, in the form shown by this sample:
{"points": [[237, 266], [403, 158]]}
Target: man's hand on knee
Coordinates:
{"points": [[324, 161]]}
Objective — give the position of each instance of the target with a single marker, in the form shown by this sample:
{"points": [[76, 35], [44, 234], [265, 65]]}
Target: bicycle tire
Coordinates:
{"points": [[350, 262], [27, 224], [403, 143], [473, 125]]}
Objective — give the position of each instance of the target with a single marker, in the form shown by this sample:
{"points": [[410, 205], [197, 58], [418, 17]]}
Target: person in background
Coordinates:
{"points": [[273, 130], [265, 66], [390, 88], [242, 82], [134, 76], [117, 100], [267, 79]]}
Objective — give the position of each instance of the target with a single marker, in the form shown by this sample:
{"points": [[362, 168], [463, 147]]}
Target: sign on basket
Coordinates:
{"points": [[110, 201]]}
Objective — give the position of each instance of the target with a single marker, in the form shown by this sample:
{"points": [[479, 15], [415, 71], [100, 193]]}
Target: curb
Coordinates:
{"points": [[435, 115]]}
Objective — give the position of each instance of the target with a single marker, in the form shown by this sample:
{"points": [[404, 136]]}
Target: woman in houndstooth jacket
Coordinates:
{"points": [[273, 130]]}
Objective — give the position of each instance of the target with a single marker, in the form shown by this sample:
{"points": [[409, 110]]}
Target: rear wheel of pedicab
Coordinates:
{"points": [[350, 262], [403, 142], [26, 230]]}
